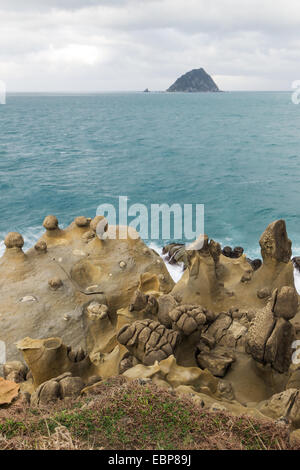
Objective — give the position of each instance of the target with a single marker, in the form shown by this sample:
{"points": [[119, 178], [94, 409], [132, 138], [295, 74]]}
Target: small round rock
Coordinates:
{"points": [[50, 222], [14, 240], [264, 293], [122, 264], [82, 221], [41, 246], [55, 283], [94, 223]]}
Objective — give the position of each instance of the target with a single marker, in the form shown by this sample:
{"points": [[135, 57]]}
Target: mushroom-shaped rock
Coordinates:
{"points": [[99, 225], [82, 221], [148, 341], [41, 246], [255, 263], [237, 252], [14, 240], [55, 283], [275, 243], [286, 303], [227, 251], [50, 223], [189, 318]]}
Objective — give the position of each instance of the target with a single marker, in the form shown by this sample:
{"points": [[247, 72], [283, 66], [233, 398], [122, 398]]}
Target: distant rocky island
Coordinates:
{"points": [[195, 81]]}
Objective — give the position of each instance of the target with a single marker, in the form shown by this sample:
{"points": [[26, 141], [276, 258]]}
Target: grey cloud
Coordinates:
{"points": [[130, 44], [41, 5]]}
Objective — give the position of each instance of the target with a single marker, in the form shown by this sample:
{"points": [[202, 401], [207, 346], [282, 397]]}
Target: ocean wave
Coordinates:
{"points": [[175, 271]]}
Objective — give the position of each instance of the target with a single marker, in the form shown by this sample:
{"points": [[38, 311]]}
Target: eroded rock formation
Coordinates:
{"points": [[98, 307]]}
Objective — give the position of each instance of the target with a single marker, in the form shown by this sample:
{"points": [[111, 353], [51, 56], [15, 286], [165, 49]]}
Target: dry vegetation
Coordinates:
{"points": [[121, 415]]}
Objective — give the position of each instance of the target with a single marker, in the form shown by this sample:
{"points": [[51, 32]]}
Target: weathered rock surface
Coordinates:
{"points": [[113, 302], [190, 318], [50, 358], [219, 279], [63, 272], [148, 341]]}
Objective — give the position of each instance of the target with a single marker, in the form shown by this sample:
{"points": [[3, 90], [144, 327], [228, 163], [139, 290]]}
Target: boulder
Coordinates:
{"points": [[217, 360], [71, 386], [286, 303], [63, 386], [50, 223], [148, 341], [189, 318]]}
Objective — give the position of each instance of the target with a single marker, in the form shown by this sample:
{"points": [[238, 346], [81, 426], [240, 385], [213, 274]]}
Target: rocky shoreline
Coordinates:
{"points": [[81, 307]]}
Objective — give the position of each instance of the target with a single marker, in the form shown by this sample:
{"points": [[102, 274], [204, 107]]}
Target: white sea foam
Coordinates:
{"points": [[175, 271], [297, 280]]}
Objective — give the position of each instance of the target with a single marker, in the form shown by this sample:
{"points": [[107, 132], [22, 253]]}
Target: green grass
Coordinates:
{"points": [[131, 416]]}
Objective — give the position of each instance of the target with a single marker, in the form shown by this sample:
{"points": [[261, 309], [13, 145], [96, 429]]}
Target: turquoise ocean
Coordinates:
{"points": [[238, 153]]}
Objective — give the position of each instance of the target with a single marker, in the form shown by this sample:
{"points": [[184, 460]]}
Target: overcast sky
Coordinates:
{"points": [[109, 45]]}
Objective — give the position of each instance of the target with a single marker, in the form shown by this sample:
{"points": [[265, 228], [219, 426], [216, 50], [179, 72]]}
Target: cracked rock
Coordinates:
{"points": [[148, 341]]}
